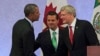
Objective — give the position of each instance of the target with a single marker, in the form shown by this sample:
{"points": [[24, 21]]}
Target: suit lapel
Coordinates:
{"points": [[76, 32], [59, 39], [60, 34], [66, 38], [49, 40]]}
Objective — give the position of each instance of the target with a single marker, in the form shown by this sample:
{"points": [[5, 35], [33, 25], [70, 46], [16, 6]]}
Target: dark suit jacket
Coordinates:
{"points": [[45, 43], [84, 35], [22, 39]]}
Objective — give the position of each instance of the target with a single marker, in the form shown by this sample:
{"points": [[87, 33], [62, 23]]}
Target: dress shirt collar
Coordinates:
{"points": [[29, 21], [57, 34], [57, 30]]}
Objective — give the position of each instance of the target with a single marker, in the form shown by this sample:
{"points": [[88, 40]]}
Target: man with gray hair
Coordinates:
{"points": [[79, 33], [23, 39]]}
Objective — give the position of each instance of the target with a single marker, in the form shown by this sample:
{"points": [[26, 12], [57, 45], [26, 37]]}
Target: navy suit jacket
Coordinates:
{"points": [[84, 35], [45, 43]]}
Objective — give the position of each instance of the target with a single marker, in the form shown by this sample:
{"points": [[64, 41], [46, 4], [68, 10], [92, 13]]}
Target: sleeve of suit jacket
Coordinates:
{"points": [[28, 42], [90, 34]]}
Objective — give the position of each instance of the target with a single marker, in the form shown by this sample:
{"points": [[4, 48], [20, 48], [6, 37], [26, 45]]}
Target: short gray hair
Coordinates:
{"points": [[69, 9], [29, 8]]}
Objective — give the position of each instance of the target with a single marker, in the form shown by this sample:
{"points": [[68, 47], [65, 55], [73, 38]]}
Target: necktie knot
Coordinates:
{"points": [[70, 27], [54, 33]]}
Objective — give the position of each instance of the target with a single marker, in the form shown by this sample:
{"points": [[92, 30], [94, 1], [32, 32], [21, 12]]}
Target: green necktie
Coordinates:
{"points": [[54, 41]]}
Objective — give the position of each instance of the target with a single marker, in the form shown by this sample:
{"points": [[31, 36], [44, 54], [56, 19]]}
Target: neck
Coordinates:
{"points": [[54, 29]]}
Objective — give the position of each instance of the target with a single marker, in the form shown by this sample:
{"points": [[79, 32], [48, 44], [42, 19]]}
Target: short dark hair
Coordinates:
{"points": [[53, 13], [29, 8]]}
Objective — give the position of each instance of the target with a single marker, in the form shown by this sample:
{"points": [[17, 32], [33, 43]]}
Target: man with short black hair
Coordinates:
{"points": [[23, 38], [50, 41]]}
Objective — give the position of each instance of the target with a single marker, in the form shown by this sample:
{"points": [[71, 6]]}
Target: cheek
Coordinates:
{"points": [[65, 20], [48, 23], [37, 16], [64, 17]]}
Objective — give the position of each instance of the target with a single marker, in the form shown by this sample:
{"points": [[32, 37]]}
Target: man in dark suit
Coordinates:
{"points": [[52, 45], [80, 35], [23, 32]]}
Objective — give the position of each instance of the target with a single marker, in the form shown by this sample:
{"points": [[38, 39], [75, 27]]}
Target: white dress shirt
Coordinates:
{"points": [[57, 34], [73, 25], [29, 21]]}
